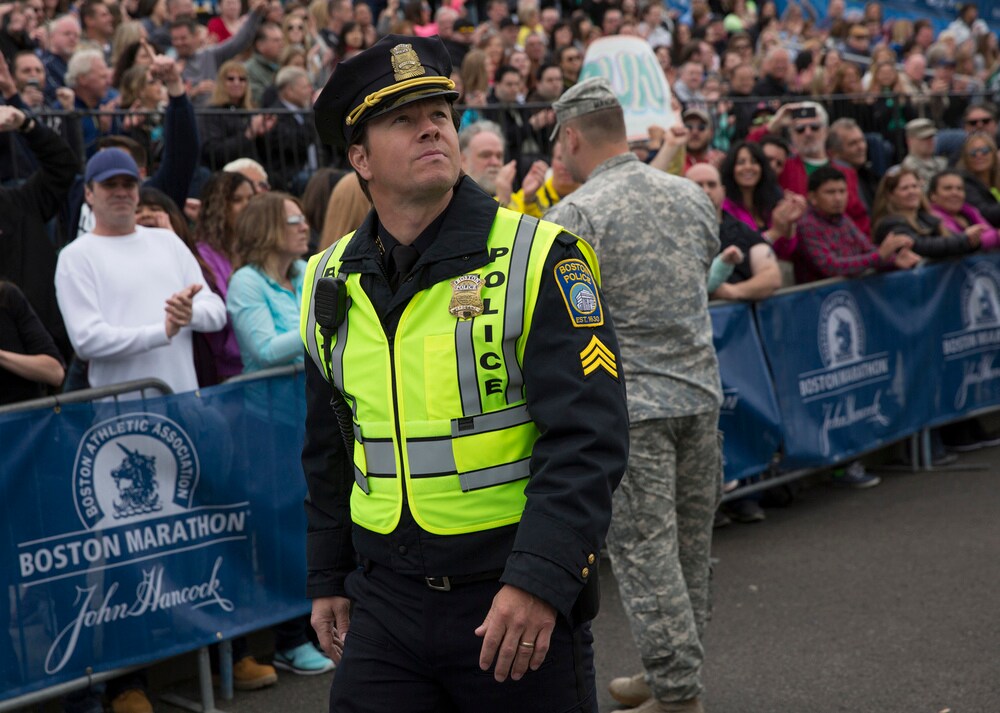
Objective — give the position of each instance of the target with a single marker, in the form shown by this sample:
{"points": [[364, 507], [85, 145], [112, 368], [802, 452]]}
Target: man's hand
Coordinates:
{"points": [[180, 309], [516, 617], [259, 125], [105, 120], [331, 618], [975, 234], [906, 259], [533, 180], [505, 182], [787, 213], [11, 118], [259, 6], [166, 70], [894, 243], [66, 98], [541, 119]]}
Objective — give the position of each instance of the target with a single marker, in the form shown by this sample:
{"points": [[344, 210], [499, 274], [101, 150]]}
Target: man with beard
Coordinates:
{"points": [[481, 145]]}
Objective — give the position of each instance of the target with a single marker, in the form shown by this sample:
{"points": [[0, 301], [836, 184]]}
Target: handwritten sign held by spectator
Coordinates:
{"points": [[635, 75]]}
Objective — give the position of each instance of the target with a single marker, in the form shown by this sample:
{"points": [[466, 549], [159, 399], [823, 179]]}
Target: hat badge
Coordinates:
{"points": [[405, 63]]}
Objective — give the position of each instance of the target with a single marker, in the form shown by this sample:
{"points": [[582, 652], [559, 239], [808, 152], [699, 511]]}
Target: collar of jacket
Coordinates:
{"points": [[460, 245]]}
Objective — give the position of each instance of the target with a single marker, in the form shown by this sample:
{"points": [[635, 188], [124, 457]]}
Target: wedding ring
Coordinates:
{"points": [[527, 644]]}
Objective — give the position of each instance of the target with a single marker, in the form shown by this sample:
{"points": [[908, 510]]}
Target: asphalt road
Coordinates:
{"points": [[876, 601]]}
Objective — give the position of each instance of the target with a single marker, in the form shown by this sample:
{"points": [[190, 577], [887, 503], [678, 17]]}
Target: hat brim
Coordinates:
{"points": [[398, 100], [111, 173], [341, 136]]}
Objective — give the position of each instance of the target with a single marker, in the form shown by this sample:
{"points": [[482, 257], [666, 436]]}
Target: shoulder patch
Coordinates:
{"points": [[579, 291]]}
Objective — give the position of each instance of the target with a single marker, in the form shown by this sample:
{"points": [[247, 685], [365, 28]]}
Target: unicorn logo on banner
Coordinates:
{"points": [[981, 297], [841, 330], [156, 477], [136, 481]]}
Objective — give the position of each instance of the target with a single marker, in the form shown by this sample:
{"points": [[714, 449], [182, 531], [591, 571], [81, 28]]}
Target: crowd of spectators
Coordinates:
{"points": [[836, 145]]}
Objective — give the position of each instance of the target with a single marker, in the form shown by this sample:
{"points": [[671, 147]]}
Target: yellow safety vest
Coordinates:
{"points": [[443, 406]]}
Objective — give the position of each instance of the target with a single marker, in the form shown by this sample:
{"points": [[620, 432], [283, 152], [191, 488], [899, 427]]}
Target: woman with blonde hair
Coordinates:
{"points": [[981, 172], [228, 130], [126, 34], [475, 84], [346, 210]]}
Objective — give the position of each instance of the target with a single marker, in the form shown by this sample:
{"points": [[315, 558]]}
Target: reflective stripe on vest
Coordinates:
{"points": [[444, 404]]}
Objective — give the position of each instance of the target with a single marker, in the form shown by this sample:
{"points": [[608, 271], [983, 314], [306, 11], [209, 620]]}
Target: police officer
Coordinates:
{"points": [[460, 491]]}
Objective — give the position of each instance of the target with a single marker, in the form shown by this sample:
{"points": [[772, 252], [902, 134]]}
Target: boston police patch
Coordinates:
{"points": [[579, 290]]}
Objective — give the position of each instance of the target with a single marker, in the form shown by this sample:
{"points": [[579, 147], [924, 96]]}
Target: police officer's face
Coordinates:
{"points": [[412, 152]]}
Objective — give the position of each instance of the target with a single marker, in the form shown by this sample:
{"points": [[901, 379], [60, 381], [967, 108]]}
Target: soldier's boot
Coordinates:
{"points": [[692, 705], [133, 700], [630, 690]]}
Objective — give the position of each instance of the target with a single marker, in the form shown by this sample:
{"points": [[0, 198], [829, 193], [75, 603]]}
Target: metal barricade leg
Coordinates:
{"points": [[226, 670], [207, 704], [927, 457]]}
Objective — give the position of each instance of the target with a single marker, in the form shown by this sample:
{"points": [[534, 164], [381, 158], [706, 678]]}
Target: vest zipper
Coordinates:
{"points": [[397, 420]]}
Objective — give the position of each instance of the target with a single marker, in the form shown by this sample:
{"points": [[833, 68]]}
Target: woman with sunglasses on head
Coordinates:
{"points": [[228, 130], [981, 172], [900, 207], [265, 292], [946, 193], [754, 197]]}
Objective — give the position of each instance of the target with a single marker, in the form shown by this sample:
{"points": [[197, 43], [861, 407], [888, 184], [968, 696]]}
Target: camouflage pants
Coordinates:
{"points": [[660, 541]]}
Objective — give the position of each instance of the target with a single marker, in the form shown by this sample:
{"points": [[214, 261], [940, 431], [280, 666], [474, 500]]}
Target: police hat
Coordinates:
{"points": [[396, 70]]}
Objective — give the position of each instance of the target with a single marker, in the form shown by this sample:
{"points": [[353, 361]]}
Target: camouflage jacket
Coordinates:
{"points": [[655, 236]]}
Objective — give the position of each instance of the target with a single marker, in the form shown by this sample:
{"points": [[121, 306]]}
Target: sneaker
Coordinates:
{"points": [[133, 700], [304, 660], [248, 675], [631, 690], [744, 510], [855, 476]]}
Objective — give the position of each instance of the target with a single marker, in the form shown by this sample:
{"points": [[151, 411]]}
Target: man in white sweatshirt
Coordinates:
{"points": [[130, 295]]}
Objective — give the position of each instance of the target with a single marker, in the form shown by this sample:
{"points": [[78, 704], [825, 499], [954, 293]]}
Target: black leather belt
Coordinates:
{"points": [[445, 584]]}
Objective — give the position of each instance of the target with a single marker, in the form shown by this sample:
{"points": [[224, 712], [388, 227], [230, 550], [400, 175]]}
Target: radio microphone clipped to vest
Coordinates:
{"points": [[330, 311]]}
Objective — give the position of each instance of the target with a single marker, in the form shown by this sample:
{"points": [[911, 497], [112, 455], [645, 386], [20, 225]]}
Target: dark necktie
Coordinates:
{"points": [[403, 259]]}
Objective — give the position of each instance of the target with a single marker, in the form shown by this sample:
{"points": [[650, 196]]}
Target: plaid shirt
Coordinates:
{"points": [[831, 247]]}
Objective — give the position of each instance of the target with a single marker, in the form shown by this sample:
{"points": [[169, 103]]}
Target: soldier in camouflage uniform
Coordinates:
{"points": [[655, 235]]}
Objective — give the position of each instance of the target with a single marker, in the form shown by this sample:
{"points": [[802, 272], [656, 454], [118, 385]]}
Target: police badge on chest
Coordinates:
{"points": [[466, 301]]}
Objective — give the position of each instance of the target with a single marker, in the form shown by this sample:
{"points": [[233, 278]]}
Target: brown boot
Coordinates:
{"points": [[248, 675], [133, 700], [630, 690]]}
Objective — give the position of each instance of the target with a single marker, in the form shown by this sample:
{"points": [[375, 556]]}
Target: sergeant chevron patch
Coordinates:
{"points": [[597, 356]]}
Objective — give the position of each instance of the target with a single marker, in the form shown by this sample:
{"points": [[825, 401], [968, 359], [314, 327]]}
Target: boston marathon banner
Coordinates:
{"points": [[965, 333], [749, 419], [850, 364], [629, 64], [145, 529]]}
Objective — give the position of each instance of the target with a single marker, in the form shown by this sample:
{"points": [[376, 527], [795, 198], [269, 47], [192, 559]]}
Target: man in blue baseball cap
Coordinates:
{"points": [[130, 295], [474, 485]]}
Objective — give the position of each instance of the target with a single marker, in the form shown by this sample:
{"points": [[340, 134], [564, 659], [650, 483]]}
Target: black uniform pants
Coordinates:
{"points": [[411, 649]]}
